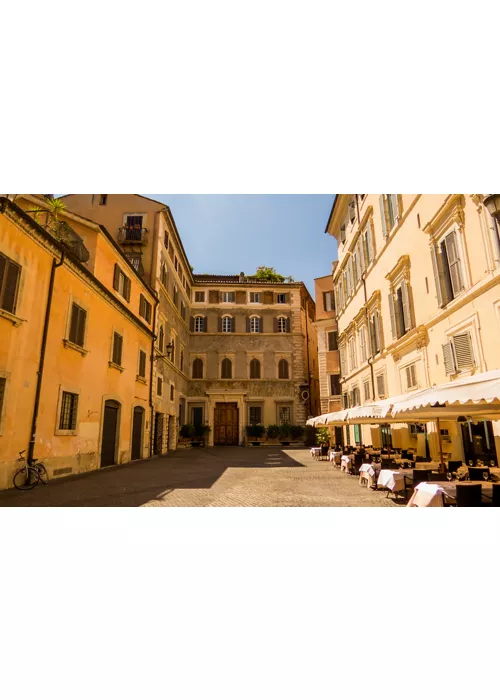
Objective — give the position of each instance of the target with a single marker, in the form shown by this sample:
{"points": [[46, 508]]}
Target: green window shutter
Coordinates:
{"points": [[383, 215], [436, 267], [449, 359], [392, 313], [116, 277], [454, 263]]}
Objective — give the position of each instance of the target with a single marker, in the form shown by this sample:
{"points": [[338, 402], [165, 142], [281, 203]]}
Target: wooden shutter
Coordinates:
{"points": [[205, 324], [241, 297], [369, 242], [268, 298], [454, 263], [361, 255], [395, 206], [380, 386], [117, 348], [126, 288], [213, 296], [378, 333], [219, 324], [462, 345], [116, 277], [248, 324], [142, 363], [407, 315], [3, 382], [436, 267], [191, 324], [9, 280], [261, 324], [288, 324], [449, 360], [383, 216], [392, 313], [275, 325]]}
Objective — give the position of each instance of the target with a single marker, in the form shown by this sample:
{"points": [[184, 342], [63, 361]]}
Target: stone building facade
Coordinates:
{"points": [[328, 353], [417, 298]]}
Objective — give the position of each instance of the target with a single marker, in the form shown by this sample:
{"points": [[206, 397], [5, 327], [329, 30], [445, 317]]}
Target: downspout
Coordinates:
{"points": [[151, 404], [309, 402], [370, 359], [31, 446]]}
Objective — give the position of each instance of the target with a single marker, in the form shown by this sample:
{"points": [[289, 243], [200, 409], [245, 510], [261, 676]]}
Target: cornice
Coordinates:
{"points": [[417, 336], [450, 212], [401, 267]]}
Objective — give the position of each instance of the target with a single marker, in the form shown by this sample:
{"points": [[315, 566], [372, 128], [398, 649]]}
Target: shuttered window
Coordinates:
{"points": [[159, 386], [142, 364], [121, 283], [145, 308], [381, 386], [77, 325], [3, 382], [69, 410], [362, 344], [464, 357], [282, 324], [117, 349], [255, 415], [10, 273], [448, 357], [453, 263], [255, 324], [199, 324], [198, 368], [366, 390], [343, 368], [411, 377], [334, 385], [254, 297], [333, 341], [447, 269], [228, 297], [254, 369], [227, 324], [226, 369], [328, 301], [199, 297], [283, 370]]}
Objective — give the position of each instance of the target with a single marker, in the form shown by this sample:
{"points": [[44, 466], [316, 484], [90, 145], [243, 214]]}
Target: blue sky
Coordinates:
{"points": [[229, 234]]}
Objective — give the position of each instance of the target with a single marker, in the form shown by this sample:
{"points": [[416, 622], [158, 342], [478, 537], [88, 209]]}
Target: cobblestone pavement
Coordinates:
{"points": [[214, 477]]}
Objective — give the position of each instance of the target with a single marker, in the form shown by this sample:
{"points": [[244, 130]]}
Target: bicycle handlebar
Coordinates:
{"points": [[22, 452]]}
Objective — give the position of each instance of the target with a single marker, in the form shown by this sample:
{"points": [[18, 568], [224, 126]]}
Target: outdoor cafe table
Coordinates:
{"points": [[334, 456], [345, 462], [393, 480], [430, 494], [367, 472], [315, 452]]}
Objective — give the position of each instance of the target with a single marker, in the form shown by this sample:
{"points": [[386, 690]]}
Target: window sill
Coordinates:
{"points": [[112, 365], [73, 346], [66, 433], [15, 320], [141, 380]]}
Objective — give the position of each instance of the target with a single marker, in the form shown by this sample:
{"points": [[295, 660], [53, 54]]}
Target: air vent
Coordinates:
{"points": [[62, 472]]}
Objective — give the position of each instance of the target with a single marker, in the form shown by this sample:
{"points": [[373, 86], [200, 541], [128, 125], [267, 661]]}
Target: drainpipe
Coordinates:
{"points": [[31, 446], [151, 404], [308, 365], [370, 359]]}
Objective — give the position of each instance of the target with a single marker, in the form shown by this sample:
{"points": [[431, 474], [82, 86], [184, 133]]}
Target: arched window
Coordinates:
{"points": [[161, 339], [199, 324], [198, 368], [226, 369], [227, 324], [282, 324], [254, 324], [283, 370], [254, 369]]}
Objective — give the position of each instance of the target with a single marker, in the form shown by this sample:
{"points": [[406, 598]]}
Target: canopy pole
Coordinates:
{"points": [[441, 461]]}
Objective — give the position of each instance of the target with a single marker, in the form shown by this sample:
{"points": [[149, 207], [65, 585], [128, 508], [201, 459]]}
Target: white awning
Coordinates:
{"points": [[339, 418], [475, 396]]}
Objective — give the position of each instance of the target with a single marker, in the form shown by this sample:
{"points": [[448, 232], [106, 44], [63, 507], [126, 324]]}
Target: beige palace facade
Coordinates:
{"points": [[328, 354], [417, 299]]}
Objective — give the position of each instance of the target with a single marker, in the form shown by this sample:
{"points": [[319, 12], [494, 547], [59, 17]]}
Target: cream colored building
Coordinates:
{"points": [[417, 296], [328, 354]]}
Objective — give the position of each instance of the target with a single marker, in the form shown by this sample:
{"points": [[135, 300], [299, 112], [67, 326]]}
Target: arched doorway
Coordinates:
{"points": [[109, 433], [137, 432]]}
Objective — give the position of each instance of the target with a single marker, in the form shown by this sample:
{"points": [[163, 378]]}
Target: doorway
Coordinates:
{"points": [[226, 424], [109, 433], [171, 433], [137, 432], [479, 442], [158, 444]]}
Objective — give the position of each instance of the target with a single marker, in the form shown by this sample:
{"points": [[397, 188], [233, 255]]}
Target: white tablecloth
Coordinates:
{"points": [[426, 495], [345, 462], [366, 473], [335, 456], [315, 451], [368, 468], [391, 480]]}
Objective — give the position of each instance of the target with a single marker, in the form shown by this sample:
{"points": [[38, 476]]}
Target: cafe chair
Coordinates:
{"points": [[496, 496], [454, 465], [469, 496], [420, 475], [324, 451], [476, 473], [386, 463], [436, 476]]}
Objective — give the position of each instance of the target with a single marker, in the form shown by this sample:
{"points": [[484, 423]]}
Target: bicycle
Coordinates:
{"points": [[30, 475]]}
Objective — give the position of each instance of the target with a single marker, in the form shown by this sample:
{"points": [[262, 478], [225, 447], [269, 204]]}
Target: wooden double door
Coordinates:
{"points": [[226, 424]]}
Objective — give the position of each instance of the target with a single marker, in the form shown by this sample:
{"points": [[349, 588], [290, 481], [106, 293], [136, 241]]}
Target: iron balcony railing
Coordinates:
{"points": [[133, 234]]}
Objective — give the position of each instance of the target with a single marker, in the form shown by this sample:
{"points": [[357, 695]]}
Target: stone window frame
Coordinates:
{"points": [[255, 404], [71, 389], [74, 299], [200, 291], [258, 319], [231, 324], [197, 318], [470, 325], [284, 404], [400, 278], [283, 356], [227, 356], [283, 327], [255, 356], [198, 356]]}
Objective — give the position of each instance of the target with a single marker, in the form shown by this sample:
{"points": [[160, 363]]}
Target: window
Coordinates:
{"points": [[133, 228], [121, 283], [183, 311], [197, 368], [355, 397], [103, 200], [353, 362], [175, 295], [142, 364], [176, 264], [496, 237], [343, 362], [199, 324], [228, 297], [400, 310], [362, 343], [227, 324], [447, 269], [254, 324], [161, 340], [375, 335], [181, 360], [366, 390], [357, 434], [255, 415], [342, 233], [389, 212], [283, 370], [69, 410], [284, 415], [77, 325], [163, 274], [334, 385], [282, 324], [159, 386], [145, 308], [254, 297], [281, 299], [136, 261], [352, 212], [165, 239], [381, 386], [458, 353], [254, 369], [345, 400], [199, 297], [333, 343], [328, 301], [172, 391], [10, 273], [117, 349], [3, 382], [411, 377], [197, 416], [226, 369]]}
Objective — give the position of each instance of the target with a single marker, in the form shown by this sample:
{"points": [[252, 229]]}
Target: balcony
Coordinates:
{"points": [[133, 235]]}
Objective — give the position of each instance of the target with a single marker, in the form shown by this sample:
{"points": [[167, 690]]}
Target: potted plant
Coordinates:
{"points": [[296, 432], [310, 436], [284, 434], [186, 432], [273, 432], [255, 433], [200, 434]]}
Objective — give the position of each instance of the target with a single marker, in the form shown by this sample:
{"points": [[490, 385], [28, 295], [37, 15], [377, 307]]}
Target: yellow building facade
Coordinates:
{"points": [[417, 298], [75, 344]]}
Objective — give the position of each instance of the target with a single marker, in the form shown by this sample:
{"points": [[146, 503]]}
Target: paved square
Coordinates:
{"points": [[227, 476]]}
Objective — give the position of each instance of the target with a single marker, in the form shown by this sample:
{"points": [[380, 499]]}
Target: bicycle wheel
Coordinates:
{"points": [[42, 473], [26, 480]]}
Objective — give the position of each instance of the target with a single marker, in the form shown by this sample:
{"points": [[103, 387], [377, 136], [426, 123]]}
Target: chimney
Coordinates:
{"points": [[242, 276]]}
